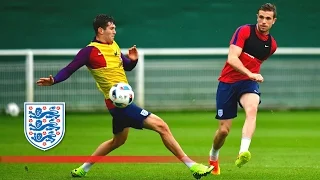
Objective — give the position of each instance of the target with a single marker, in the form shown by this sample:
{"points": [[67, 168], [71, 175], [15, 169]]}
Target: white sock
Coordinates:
{"points": [[86, 166], [245, 143], [187, 161], [214, 154]]}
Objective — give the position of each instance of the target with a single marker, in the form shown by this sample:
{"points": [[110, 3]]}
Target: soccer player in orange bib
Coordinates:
{"points": [[107, 65], [250, 46]]}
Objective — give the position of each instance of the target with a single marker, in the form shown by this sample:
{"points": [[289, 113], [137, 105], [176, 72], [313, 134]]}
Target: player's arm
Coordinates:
{"points": [[131, 60], [79, 60], [235, 49], [128, 64], [234, 61]]}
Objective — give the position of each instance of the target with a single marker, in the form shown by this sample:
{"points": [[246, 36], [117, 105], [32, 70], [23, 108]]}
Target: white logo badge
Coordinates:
{"points": [[44, 123], [220, 112], [144, 112]]}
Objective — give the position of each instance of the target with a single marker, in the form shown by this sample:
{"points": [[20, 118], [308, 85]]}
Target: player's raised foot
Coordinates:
{"points": [[243, 158], [78, 172], [216, 170], [200, 170]]}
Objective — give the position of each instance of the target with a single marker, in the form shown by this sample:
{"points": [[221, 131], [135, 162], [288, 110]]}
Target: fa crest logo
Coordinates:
{"points": [[44, 123], [220, 112]]}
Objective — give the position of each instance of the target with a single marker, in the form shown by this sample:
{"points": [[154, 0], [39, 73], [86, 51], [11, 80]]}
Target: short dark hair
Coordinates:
{"points": [[102, 21], [269, 7]]}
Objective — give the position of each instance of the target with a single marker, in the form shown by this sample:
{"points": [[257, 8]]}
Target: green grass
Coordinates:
{"points": [[285, 146]]}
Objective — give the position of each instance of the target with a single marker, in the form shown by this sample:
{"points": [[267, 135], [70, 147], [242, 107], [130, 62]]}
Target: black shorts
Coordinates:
{"points": [[130, 116], [228, 97]]}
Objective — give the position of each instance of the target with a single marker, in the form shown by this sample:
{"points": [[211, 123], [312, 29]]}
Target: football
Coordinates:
{"points": [[121, 94], [13, 109]]}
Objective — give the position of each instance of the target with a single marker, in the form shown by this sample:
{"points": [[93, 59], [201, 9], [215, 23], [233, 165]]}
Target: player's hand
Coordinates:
{"points": [[45, 81], [133, 53], [256, 77]]}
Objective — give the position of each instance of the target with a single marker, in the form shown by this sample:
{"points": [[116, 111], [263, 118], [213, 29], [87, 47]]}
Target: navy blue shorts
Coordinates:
{"points": [[130, 116], [228, 97]]}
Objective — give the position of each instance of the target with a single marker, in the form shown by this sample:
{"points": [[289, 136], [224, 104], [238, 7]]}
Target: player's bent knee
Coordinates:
{"points": [[117, 142], [223, 131], [120, 138], [225, 126]]}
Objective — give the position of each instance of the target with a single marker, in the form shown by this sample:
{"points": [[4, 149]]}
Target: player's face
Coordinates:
{"points": [[110, 32], [265, 20]]}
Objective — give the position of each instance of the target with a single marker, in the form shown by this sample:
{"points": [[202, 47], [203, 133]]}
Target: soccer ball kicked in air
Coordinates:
{"points": [[121, 94]]}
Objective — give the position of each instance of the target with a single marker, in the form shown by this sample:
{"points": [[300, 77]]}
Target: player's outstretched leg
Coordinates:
{"points": [[155, 123], [104, 149]]}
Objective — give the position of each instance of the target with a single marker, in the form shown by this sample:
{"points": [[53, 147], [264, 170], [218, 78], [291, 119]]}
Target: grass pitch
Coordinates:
{"points": [[285, 146]]}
